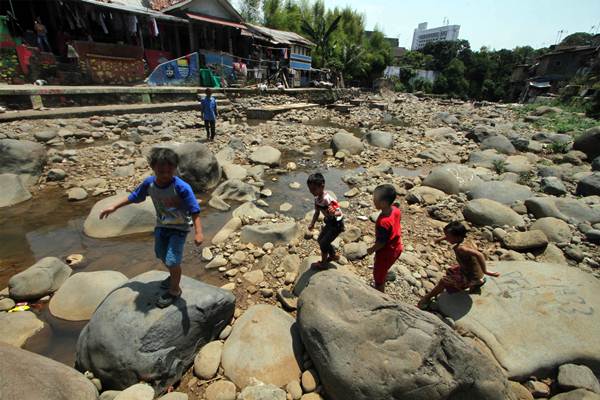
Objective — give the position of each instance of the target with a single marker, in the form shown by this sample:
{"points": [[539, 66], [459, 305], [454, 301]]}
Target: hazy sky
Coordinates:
{"points": [[493, 23]]}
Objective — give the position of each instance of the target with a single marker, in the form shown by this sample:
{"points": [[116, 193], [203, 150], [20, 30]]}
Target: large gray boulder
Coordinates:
{"points": [[570, 210], [556, 230], [17, 327], [589, 186], [486, 159], [234, 189], [589, 142], [13, 191], [499, 143], [346, 142], [572, 376], [134, 218], [266, 155], [129, 339], [366, 347], [283, 232], [485, 212], [380, 139], [503, 192], [265, 345], [531, 308], [29, 376], [82, 293], [198, 166], [21, 157], [578, 394], [42, 278], [452, 178]]}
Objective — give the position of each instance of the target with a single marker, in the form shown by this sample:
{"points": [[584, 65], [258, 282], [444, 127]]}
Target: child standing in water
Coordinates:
{"points": [[468, 273], [333, 218], [176, 210], [388, 234]]}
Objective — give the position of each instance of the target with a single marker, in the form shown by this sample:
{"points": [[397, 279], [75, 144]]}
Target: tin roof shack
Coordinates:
{"points": [[283, 56], [216, 31], [518, 79], [562, 64], [93, 41]]}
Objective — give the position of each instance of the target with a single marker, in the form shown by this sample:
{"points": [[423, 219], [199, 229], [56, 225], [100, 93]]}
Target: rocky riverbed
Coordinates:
{"points": [[531, 199]]}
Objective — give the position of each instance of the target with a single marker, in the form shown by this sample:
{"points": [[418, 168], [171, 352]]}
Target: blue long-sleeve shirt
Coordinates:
{"points": [[175, 203], [209, 108]]}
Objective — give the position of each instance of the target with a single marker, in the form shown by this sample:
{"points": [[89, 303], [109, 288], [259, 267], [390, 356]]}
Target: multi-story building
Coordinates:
{"points": [[422, 35]]}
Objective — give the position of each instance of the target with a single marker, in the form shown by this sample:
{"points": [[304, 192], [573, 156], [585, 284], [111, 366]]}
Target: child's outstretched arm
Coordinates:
{"points": [[376, 247], [481, 260], [314, 219], [107, 211], [198, 235]]}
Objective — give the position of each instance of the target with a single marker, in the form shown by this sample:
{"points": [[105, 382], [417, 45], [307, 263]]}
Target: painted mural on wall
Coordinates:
{"points": [[183, 71], [115, 71]]}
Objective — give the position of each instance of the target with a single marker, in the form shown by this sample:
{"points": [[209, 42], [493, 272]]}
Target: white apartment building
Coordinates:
{"points": [[422, 35]]}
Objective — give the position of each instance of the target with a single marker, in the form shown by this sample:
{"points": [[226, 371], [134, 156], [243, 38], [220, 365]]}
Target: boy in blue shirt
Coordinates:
{"points": [[208, 107], [176, 209]]}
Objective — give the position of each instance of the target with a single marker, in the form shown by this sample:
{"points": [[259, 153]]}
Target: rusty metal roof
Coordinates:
{"points": [[280, 37]]}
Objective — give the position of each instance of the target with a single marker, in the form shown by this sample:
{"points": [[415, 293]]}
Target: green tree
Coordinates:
{"points": [[250, 11], [320, 30], [452, 80], [578, 39], [274, 14]]}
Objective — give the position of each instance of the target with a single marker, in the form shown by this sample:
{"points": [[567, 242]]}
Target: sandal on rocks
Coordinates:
{"points": [[167, 299], [165, 284]]}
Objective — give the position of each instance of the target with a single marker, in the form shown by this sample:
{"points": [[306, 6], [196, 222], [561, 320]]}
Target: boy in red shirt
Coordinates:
{"points": [[388, 234]]}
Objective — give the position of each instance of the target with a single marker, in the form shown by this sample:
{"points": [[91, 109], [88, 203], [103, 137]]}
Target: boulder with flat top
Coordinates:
{"points": [[534, 317], [134, 218], [29, 376], [42, 278], [129, 339]]}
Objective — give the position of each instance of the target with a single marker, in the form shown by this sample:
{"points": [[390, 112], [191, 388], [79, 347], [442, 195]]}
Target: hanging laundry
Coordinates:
{"points": [[284, 53], [132, 23], [103, 24], [153, 27]]}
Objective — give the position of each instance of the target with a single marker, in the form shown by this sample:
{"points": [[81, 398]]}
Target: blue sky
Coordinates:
{"points": [[496, 24]]}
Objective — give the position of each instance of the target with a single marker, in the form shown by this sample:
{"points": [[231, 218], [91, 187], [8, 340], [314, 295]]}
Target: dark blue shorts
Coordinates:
{"points": [[168, 246]]}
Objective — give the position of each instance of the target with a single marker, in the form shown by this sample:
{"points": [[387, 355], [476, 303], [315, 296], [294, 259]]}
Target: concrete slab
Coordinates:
{"points": [[269, 111], [113, 109]]}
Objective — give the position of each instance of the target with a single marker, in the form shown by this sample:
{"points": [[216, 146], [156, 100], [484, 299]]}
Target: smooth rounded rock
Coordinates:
{"points": [[13, 191], [129, 338], [264, 344], [17, 327], [485, 212], [283, 232], [519, 327], [140, 391], [29, 376], [134, 218], [220, 390], [365, 346], [346, 142], [266, 155], [208, 359], [556, 230], [82, 293], [44, 277]]}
